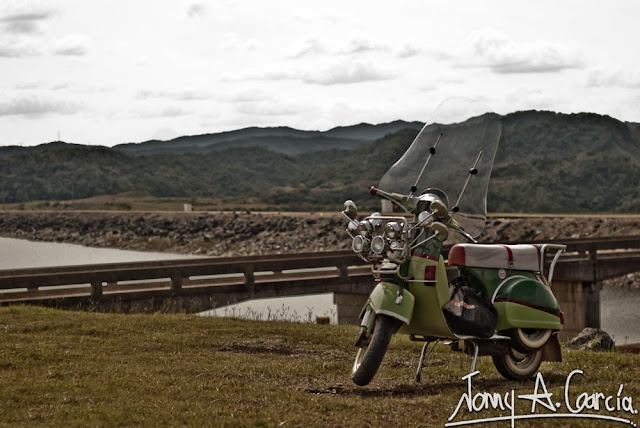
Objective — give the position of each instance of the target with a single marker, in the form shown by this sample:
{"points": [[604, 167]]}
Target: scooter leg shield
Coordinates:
{"points": [[384, 301]]}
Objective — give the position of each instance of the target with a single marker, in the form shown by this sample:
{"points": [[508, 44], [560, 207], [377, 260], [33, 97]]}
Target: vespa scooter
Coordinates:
{"points": [[519, 315]]}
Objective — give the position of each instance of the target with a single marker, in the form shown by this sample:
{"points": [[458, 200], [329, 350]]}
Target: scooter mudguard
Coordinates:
{"points": [[524, 302], [383, 298]]}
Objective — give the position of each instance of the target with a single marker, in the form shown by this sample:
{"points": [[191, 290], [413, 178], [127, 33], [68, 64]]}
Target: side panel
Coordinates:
{"points": [[526, 303], [512, 315], [520, 298], [383, 301]]}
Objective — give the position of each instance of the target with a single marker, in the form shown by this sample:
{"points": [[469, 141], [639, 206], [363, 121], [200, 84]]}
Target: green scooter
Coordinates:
{"points": [[501, 304]]}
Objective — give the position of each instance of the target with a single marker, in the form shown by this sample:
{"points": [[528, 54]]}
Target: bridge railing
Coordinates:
{"points": [[586, 260], [240, 272]]}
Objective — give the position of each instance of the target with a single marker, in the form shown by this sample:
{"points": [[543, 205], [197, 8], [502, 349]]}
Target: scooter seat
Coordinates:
{"points": [[517, 257]]}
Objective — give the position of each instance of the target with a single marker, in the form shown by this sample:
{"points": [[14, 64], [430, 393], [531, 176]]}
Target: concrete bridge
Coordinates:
{"points": [[199, 284]]}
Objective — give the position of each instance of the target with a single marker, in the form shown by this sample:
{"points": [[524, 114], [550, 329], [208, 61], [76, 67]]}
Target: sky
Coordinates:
{"points": [[110, 72]]}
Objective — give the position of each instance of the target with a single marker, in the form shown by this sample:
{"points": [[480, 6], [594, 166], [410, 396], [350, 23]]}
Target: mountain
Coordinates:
{"points": [[635, 130], [551, 162], [278, 139], [546, 162], [7, 151]]}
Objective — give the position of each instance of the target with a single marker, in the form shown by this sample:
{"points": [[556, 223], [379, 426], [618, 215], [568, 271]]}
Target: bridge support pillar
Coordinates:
{"points": [[580, 302], [349, 307]]}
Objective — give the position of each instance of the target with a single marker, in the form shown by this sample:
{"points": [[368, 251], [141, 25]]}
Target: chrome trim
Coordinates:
{"points": [[393, 315], [386, 271], [356, 222], [384, 245], [560, 249], [495, 293]]}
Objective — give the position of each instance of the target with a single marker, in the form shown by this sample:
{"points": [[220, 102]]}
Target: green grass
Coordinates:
{"points": [[73, 368]]}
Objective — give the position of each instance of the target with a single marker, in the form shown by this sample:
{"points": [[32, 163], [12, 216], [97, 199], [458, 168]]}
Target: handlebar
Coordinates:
{"points": [[402, 200]]}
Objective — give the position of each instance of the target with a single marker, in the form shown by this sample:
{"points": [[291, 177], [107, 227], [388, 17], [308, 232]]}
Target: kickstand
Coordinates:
{"points": [[423, 356], [474, 358]]}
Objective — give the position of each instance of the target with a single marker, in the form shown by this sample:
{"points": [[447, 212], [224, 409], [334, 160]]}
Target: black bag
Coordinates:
{"points": [[470, 313]]}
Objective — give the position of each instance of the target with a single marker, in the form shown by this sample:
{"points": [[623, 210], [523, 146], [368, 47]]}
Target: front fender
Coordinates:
{"points": [[382, 301]]}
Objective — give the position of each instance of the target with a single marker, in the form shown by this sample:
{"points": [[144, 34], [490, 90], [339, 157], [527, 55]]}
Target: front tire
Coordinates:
{"points": [[369, 357], [517, 365]]}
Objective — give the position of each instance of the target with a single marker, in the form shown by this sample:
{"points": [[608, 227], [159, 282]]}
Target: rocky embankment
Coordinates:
{"points": [[220, 234], [229, 234]]}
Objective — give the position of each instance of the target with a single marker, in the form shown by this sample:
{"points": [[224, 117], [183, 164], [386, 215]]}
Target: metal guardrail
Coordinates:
{"points": [[585, 260], [114, 278]]}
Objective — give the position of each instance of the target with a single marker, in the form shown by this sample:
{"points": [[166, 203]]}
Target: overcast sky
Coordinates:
{"points": [[109, 72]]}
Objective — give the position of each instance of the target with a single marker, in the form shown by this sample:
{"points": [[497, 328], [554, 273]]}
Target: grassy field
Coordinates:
{"points": [[73, 368]]}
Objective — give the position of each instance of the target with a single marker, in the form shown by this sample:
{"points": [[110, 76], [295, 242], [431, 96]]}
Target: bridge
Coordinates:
{"points": [[196, 285]]}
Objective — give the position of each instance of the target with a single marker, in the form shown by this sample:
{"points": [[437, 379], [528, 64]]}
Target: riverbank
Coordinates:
{"points": [[237, 234]]}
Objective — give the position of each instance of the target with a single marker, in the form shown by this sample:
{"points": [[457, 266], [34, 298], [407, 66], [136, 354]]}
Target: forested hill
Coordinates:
{"points": [[546, 162], [279, 139]]}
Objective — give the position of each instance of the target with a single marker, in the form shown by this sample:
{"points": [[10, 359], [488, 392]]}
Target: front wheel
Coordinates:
{"points": [[370, 356], [517, 365]]}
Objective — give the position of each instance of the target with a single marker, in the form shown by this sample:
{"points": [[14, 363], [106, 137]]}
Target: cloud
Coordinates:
{"points": [[24, 14], [248, 96], [18, 47], [34, 106], [195, 10], [169, 111], [504, 56], [342, 73], [621, 79], [527, 99], [23, 17], [310, 48], [233, 41], [185, 95], [346, 73], [22, 27], [355, 47], [172, 112], [409, 50], [269, 108], [359, 46], [71, 45]]}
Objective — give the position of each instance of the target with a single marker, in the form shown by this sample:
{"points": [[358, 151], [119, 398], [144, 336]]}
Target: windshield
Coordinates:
{"points": [[466, 135]]}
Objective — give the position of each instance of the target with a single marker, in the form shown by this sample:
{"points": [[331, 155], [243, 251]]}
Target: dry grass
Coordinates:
{"points": [[72, 368]]}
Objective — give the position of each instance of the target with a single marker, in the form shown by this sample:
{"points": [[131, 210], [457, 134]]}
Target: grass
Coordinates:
{"points": [[74, 368]]}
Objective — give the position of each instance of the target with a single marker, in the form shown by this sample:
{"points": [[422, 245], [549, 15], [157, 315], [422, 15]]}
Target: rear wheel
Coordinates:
{"points": [[370, 356], [528, 339], [517, 365]]}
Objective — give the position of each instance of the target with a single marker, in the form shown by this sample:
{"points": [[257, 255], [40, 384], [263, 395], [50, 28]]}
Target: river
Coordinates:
{"points": [[21, 254]]}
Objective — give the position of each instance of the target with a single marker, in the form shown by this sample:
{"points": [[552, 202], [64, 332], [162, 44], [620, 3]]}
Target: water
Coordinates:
{"points": [[20, 254], [295, 308], [619, 314]]}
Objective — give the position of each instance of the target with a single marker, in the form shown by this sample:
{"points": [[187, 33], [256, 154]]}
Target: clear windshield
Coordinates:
{"points": [[467, 136]]}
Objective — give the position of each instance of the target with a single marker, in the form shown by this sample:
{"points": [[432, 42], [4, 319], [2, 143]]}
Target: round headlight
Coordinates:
{"points": [[392, 230], [376, 222], [378, 245], [365, 228], [359, 244]]}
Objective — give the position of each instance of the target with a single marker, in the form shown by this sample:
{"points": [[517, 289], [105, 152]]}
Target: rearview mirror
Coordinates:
{"points": [[441, 229], [350, 209], [439, 209]]}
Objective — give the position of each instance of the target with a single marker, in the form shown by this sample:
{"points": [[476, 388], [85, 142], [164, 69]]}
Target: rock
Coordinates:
{"points": [[593, 339]]}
